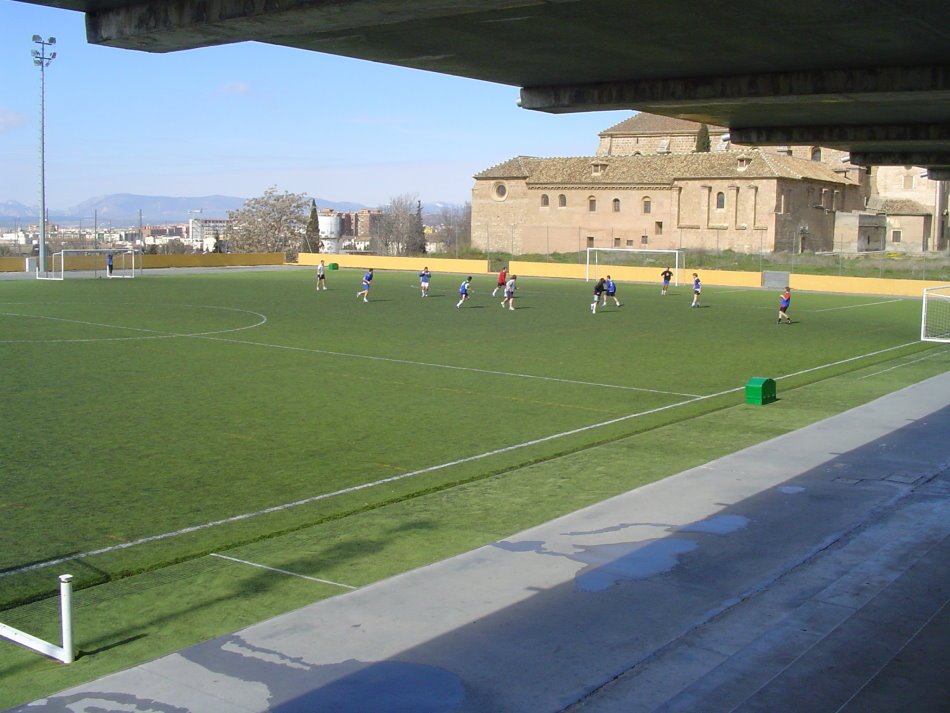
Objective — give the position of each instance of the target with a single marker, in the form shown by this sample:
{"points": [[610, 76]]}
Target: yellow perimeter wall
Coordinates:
{"points": [[730, 278], [212, 260], [89, 262], [719, 278], [438, 264]]}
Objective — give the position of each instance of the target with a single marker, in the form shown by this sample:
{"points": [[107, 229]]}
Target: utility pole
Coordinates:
{"points": [[42, 60]]}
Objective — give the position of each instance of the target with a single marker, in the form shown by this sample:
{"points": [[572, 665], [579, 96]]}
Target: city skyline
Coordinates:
{"points": [[238, 119]]}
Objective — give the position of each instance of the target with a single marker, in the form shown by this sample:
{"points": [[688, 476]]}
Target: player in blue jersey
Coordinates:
{"points": [[697, 288], [367, 279], [611, 291], [784, 301], [465, 290], [424, 277]]}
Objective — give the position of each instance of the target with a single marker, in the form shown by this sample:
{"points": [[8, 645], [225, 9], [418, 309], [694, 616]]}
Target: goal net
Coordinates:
{"points": [[111, 263], [935, 315], [632, 257]]}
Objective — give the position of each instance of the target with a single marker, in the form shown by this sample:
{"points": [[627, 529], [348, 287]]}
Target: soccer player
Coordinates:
{"points": [[510, 287], [598, 291], [611, 287], [424, 281], [108, 263], [697, 288], [321, 276], [784, 301], [502, 283], [666, 276], [367, 279], [464, 290]]}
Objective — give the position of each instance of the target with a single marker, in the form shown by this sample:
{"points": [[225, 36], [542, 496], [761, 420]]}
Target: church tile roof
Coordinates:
{"points": [[644, 123], [659, 169]]}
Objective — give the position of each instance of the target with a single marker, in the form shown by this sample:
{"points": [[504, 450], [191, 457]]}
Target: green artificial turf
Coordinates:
{"points": [[134, 412]]}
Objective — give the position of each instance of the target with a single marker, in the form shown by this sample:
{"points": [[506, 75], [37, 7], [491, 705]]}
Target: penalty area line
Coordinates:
{"points": [[282, 571], [410, 474], [410, 362]]}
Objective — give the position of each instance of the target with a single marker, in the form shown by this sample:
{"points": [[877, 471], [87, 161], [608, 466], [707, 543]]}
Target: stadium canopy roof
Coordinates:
{"points": [[872, 78]]}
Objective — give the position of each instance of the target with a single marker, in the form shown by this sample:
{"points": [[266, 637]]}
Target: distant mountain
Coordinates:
{"points": [[122, 209], [13, 209]]}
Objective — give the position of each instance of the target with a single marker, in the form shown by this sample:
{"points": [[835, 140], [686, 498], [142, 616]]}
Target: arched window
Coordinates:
{"points": [[647, 206], [562, 201], [545, 201], [816, 153], [720, 201], [591, 204], [616, 205]]}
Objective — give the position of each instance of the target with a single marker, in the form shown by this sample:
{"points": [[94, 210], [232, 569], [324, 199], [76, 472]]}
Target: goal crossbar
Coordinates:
{"points": [[675, 259]]}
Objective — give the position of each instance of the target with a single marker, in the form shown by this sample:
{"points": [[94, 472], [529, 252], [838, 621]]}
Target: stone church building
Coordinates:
{"points": [[646, 187]]}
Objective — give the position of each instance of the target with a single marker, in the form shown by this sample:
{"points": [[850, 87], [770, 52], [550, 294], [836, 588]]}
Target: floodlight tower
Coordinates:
{"points": [[42, 60]]}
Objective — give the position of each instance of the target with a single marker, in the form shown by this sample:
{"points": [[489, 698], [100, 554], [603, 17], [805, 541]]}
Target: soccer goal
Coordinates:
{"points": [[632, 257], [93, 263], [64, 653], [935, 315]]}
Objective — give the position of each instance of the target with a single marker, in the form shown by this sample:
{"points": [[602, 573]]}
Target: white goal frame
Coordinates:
{"points": [[935, 315], [124, 263], [677, 261], [65, 653]]}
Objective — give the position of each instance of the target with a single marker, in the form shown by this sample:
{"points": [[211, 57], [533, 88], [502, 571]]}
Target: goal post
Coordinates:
{"points": [[65, 653], [634, 257], [935, 315], [125, 262]]}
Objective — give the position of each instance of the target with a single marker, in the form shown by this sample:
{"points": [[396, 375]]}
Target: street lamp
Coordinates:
{"points": [[42, 60]]}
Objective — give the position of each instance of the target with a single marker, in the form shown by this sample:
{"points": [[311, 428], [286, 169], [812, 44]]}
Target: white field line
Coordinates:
{"points": [[153, 333], [845, 361], [345, 491], [865, 304], [493, 372], [282, 571], [263, 319], [410, 474], [931, 355]]}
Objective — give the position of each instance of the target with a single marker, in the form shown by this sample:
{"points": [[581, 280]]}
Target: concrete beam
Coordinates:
{"points": [[187, 24], [939, 174], [689, 96], [904, 136], [934, 159]]}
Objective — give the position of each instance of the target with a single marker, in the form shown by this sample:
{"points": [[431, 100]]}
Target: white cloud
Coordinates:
{"points": [[235, 88], [11, 120]]}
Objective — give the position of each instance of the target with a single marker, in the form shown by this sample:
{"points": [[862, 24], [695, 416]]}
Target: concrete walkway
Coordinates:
{"points": [[808, 573]]}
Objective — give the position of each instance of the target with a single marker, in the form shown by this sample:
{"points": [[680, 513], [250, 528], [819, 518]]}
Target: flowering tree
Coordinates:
{"points": [[272, 223]]}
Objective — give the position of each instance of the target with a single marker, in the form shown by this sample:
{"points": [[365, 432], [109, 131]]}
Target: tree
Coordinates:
{"points": [[271, 223], [455, 228], [416, 240], [311, 239], [702, 139], [398, 228]]}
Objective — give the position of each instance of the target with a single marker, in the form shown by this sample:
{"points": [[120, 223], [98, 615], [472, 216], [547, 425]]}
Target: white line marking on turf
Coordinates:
{"points": [[153, 333], [865, 304], [493, 372], [931, 355], [402, 476], [282, 571]]}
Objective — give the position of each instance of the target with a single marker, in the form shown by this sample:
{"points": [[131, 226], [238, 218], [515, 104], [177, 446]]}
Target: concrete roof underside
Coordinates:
{"points": [[872, 78]]}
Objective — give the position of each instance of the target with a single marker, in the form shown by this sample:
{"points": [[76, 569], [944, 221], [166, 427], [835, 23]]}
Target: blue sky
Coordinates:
{"points": [[237, 119]]}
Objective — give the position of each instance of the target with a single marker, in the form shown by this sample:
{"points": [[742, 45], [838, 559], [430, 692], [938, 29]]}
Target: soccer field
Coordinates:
{"points": [[154, 420], [212, 449]]}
